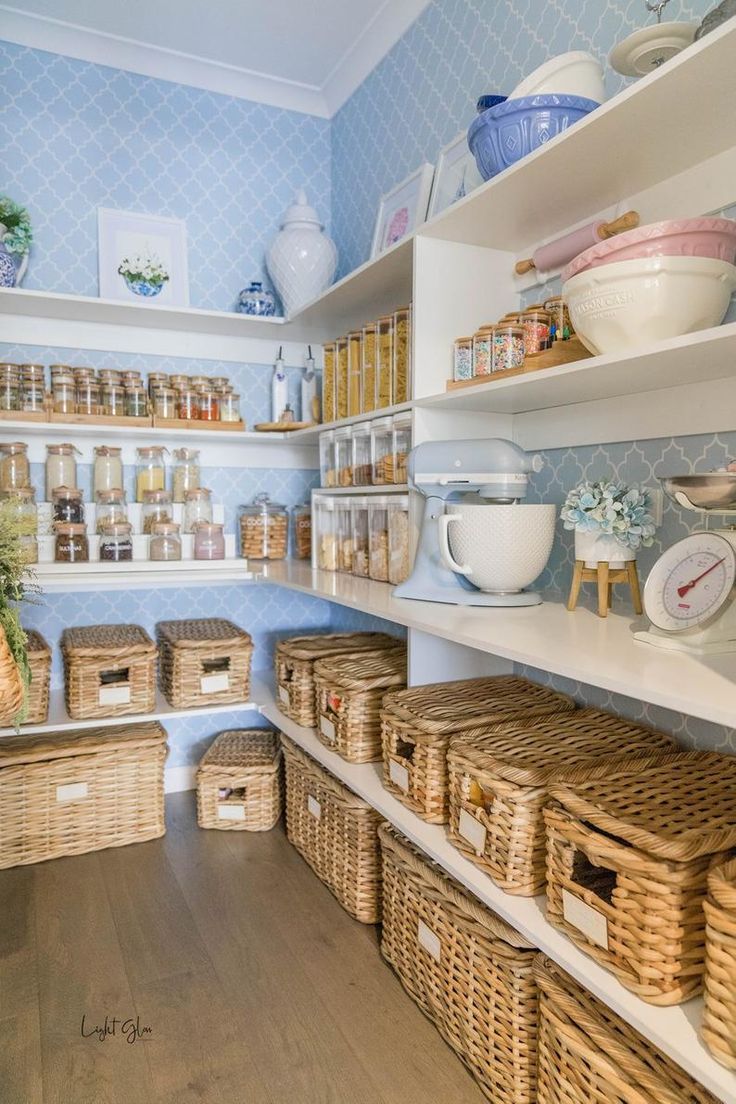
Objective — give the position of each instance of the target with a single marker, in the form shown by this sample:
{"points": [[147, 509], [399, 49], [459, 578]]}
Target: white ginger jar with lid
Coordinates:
{"points": [[302, 259]]}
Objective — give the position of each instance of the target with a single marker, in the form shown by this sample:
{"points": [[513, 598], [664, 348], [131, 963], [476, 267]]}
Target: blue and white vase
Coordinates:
{"points": [[12, 265], [254, 300]]}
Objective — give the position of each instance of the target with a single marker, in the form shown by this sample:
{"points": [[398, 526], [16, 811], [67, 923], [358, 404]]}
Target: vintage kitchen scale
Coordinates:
{"points": [[689, 596]]}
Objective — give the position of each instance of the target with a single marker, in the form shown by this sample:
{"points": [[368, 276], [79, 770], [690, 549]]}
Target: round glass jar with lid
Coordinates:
{"points": [[156, 380], [536, 322], [108, 469], [72, 545], [186, 472], [136, 402], [32, 396], [462, 368], [15, 471], [179, 382], [381, 448], [10, 391], [209, 541], [359, 526], [188, 405], [164, 402], [264, 529], [63, 394], [150, 470], [88, 397], [197, 508], [22, 505], [67, 505], [482, 351], [362, 468], [508, 347], [302, 543], [229, 406], [131, 378], [113, 400], [61, 468], [33, 371], [165, 542], [157, 506], [209, 406], [327, 466], [60, 370], [116, 543], [219, 383], [110, 508], [109, 376]]}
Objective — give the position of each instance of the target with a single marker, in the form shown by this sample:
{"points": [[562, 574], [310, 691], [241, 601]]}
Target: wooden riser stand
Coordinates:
{"points": [[605, 579]]}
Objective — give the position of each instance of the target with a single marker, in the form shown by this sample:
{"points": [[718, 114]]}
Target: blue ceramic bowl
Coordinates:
{"points": [[504, 134], [486, 102]]}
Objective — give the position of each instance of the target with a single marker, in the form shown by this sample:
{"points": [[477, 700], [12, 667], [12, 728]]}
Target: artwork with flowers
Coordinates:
{"points": [[402, 209], [142, 258], [610, 509]]}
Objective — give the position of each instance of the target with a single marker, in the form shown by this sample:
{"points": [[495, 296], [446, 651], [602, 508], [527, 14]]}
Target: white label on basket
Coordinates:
{"points": [[327, 729], [231, 812], [71, 792], [399, 775], [429, 940], [284, 694], [114, 695], [585, 918], [472, 831], [212, 684], [314, 807]]}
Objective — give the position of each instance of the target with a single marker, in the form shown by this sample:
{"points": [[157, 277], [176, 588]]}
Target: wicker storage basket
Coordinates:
{"points": [[39, 659], [334, 831], [66, 793], [719, 1018], [417, 725], [589, 1055], [295, 660], [109, 671], [239, 781], [350, 694], [465, 967], [628, 852], [203, 662], [12, 690], [498, 786]]}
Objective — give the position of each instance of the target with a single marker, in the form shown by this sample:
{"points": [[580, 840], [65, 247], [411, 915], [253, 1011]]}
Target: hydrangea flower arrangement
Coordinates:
{"points": [[144, 267], [611, 509], [17, 236]]}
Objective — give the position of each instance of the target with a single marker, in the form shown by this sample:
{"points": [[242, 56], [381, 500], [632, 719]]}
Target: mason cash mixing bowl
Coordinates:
{"points": [[500, 549]]}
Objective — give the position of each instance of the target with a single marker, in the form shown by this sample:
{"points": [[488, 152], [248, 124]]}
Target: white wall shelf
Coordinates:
{"points": [[313, 432], [673, 1030], [386, 489], [69, 578]]}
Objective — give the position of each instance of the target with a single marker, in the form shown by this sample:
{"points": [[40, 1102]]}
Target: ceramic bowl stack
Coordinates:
{"points": [[548, 102], [658, 281]]}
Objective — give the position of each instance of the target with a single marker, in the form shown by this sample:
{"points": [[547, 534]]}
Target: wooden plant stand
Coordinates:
{"points": [[605, 578]]}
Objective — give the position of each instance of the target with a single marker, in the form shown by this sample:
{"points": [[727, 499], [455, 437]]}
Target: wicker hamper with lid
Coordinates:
{"points": [[66, 793], [465, 967], [589, 1055], [498, 786], [335, 832], [295, 660], [39, 660], [239, 781], [719, 1017], [109, 671], [629, 846], [203, 662], [350, 693], [417, 725]]}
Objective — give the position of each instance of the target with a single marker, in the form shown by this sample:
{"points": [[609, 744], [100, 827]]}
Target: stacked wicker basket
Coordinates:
{"points": [[239, 781]]}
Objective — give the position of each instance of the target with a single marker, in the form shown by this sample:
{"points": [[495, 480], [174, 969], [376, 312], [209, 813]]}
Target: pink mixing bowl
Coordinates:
{"points": [[693, 237]]}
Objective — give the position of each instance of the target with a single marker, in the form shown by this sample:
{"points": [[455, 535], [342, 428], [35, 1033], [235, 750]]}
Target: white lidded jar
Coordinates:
{"points": [[302, 259]]}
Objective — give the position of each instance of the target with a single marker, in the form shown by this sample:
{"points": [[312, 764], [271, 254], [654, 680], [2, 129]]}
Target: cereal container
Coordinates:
{"points": [[385, 362], [378, 531], [329, 406], [344, 456], [402, 355], [326, 534], [370, 352], [400, 447], [361, 543], [362, 470], [344, 535], [381, 446], [341, 383], [327, 464], [355, 370], [398, 539]]}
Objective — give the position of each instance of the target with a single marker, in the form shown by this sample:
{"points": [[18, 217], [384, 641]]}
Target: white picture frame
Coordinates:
{"points": [[160, 243], [456, 175], [402, 209]]}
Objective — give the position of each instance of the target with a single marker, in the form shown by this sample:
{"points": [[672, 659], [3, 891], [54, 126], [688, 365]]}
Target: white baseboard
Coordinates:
{"points": [[177, 779]]}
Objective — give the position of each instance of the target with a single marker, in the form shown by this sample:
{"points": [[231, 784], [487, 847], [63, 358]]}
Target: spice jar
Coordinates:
{"points": [[156, 507], [72, 545], [218, 383], [378, 537], [381, 446], [462, 368], [110, 508], [67, 505], [329, 409], [197, 508], [398, 539], [341, 378], [136, 402], [343, 524], [116, 543], [108, 469], [302, 544], [156, 380], [561, 328], [229, 407], [88, 396], [150, 470], [263, 529], [63, 394], [165, 542], [482, 351], [508, 347], [536, 325], [61, 468], [402, 354], [22, 505], [113, 400], [188, 405], [164, 402], [110, 376], [344, 456], [32, 396], [35, 372], [10, 387], [15, 471], [179, 382], [385, 362], [400, 448], [359, 526], [362, 470], [186, 472], [209, 406], [327, 466], [326, 529], [209, 541]]}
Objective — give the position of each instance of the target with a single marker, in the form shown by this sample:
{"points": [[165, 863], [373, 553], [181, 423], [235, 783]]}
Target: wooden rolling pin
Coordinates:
{"points": [[561, 251]]}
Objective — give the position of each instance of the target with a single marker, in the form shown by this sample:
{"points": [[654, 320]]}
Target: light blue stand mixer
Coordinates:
{"points": [[480, 544]]}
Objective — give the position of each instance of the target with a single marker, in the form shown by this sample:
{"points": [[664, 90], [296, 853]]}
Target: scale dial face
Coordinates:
{"points": [[690, 582]]}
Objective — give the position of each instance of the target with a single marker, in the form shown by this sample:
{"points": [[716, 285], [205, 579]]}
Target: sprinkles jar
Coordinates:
{"points": [[463, 359], [536, 324], [508, 347], [482, 346]]}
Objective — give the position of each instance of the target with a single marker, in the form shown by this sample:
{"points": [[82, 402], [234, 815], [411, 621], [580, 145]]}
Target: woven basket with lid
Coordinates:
{"points": [[295, 660], [12, 690], [39, 661], [350, 693], [719, 1016], [589, 1055], [629, 846], [465, 967], [65, 793], [203, 662], [417, 725], [109, 671], [335, 832], [239, 781], [498, 785]]}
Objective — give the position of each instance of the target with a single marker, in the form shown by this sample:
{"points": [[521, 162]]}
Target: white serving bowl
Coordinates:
{"points": [[628, 304], [500, 549], [573, 74]]}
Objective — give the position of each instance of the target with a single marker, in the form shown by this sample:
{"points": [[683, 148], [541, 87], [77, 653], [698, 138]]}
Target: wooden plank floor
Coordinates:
{"points": [[256, 986]]}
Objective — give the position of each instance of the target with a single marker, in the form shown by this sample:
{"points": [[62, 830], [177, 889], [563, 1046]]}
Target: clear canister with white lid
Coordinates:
{"points": [[400, 447], [326, 533], [361, 542], [378, 538], [344, 456], [381, 448], [344, 528], [362, 468], [398, 539], [327, 465]]}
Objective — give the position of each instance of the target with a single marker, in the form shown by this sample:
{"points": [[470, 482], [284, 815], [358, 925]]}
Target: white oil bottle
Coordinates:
{"points": [[279, 389], [310, 402]]}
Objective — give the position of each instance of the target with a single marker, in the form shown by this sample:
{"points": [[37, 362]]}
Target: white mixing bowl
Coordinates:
{"points": [[573, 74], [500, 549], [629, 304]]}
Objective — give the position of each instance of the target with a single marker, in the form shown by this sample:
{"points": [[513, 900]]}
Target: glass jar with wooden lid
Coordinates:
{"points": [[536, 323], [113, 400], [483, 351], [188, 404], [67, 505], [72, 545], [110, 508], [88, 396], [157, 506], [63, 394], [150, 470], [164, 402], [229, 406], [61, 467], [165, 542], [197, 508], [264, 529], [136, 401], [116, 543], [186, 472], [108, 468], [209, 541], [15, 470]]}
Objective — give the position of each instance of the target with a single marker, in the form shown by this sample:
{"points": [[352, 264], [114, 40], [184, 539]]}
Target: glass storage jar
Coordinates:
{"points": [[186, 472], [22, 505], [264, 529], [398, 539], [110, 376], [10, 388], [327, 465], [302, 541], [536, 325], [157, 507], [209, 406], [381, 446], [32, 396], [359, 525], [370, 349], [116, 543], [88, 396], [67, 505], [508, 347], [113, 400], [385, 362], [72, 545], [462, 367], [156, 380], [209, 541], [60, 370], [61, 468], [197, 508], [355, 370], [561, 326], [188, 405], [229, 406], [326, 534], [64, 395], [165, 542], [150, 470], [329, 409], [108, 469], [179, 382], [344, 456], [164, 402], [341, 379], [15, 471], [110, 508], [35, 372], [402, 355], [400, 448], [378, 538], [136, 402], [344, 535], [483, 351], [362, 469]]}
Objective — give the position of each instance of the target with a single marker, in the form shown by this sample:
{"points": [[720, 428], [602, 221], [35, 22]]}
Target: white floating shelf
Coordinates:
{"points": [[386, 489], [54, 577], [673, 1030], [299, 436], [579, 645]]}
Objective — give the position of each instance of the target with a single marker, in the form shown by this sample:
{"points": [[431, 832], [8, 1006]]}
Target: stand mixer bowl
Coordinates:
{"points": [[499, 549]]}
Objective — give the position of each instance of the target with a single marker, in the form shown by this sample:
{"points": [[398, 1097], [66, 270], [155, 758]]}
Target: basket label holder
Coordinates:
{"points": [[399, 774], [579, 914], [231, 812], [314, 807], [114, 695], [429, 940], [284, 695], [327, 728], [472, 831], [72, 791], [214, 684]]}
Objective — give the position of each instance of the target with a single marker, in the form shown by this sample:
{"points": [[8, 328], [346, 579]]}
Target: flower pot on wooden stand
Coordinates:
{"points": [[602, 559]]}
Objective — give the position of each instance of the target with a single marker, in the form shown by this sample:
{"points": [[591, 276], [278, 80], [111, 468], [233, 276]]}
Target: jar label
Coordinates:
{"points": [[284, 695], [429, 940], [314, 807], [472, 831], [327, 729], [585, 918], [399, 775], [213, 684], [231, 812], [114, 695], [72, 791]]}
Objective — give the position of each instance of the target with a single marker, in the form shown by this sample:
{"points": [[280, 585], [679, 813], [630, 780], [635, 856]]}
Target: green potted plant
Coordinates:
{"points": [[16, 236], [16, 585]]}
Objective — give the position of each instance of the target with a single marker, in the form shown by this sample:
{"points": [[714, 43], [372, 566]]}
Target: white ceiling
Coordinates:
{"points": [[309, 55]]}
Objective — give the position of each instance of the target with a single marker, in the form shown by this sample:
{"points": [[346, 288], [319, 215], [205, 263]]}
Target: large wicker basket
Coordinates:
{"points": [[350, 694], [719, 1018], [417, 725], [66, 793], [498, 786], [39, 661], [203, 662], [336, 832], [465, 967], [109, 671], [239, 781], [295, 660], [629, 848], [12, 691], [589, 1055]]}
